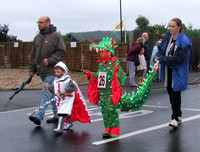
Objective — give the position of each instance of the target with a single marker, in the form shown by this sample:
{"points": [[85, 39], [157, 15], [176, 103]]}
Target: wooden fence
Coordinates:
{"points": [[80, 58], [77, 58]]}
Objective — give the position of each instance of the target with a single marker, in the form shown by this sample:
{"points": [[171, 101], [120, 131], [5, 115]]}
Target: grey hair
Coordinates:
{"points": [[141, 40]]}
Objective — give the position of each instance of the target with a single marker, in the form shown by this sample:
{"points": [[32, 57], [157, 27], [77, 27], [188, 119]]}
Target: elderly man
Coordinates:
{"points": [[48, 49], [147, 52]]}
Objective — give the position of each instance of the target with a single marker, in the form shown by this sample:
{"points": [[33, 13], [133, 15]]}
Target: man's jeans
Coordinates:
{"points": [[46, 96]]}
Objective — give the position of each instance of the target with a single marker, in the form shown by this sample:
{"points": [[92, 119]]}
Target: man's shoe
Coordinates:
{"points": [[68, 126], [52, 120], [179, 119], [35, 120], [173, 123]]}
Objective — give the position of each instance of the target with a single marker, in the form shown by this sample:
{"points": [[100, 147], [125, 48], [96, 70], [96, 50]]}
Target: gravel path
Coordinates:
{"points": [[11, 78]]}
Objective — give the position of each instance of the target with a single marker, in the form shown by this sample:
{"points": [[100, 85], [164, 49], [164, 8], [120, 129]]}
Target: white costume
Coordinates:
{"points": [[70, 104], [64, 103]]}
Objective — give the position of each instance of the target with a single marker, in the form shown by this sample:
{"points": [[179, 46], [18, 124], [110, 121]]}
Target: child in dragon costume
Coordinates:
{"points": [[104, 88]]}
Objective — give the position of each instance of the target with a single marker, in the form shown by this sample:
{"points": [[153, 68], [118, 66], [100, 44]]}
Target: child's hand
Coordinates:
{"points": [[47, 85], [116, 68], [88, 73], [63, 92]]}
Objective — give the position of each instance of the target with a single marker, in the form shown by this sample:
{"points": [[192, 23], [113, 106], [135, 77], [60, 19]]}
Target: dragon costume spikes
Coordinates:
{"points": [[135, 101]]}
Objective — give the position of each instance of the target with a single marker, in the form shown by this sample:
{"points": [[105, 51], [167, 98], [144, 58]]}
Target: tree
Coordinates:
{"points": [[4, 37], [189, 31], [68, 38], [142, 23], [3, 32], [157, 29]]}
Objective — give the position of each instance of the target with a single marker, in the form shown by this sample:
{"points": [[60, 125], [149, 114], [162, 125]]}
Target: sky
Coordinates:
{"points": [[92, 15]]}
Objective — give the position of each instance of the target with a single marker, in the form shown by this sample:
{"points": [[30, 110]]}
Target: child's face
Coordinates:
{"points": [[142, 51], [104, 54], [59, 72]]}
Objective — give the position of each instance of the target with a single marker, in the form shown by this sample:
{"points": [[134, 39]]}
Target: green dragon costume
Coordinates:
{"points": [[104, 88]]}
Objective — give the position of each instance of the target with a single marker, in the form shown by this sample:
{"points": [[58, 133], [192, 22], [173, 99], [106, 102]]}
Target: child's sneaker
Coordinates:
{"points": [[58, 130], [68, 126], [173, 123]]}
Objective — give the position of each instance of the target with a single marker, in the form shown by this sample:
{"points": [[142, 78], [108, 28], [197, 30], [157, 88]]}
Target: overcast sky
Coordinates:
{"points": [[92, 15]]}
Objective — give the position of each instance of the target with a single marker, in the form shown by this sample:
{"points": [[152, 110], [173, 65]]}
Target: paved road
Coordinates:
{"points": [[142, 131]]}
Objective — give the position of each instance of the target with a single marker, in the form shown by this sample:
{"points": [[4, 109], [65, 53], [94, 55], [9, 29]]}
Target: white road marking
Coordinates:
{"points": [[152, 106], [194, 80], [96, 114], [143, 131], [191, 109], [129, 114], [91, 110], [4, 112]]}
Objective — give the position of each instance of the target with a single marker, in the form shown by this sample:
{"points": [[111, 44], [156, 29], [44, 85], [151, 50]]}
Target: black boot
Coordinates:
{"points": [[35, 120], [52, 120]]}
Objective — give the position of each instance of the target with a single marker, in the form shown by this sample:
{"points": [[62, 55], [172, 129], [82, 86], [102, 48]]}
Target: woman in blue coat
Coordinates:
{"points": [[173, 56]]}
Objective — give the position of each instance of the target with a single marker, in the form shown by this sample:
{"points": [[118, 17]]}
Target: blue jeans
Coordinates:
{"points": [[132, 69], [46, 97]]}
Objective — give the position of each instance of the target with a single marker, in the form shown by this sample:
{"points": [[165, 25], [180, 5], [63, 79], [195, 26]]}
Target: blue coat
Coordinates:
{"points": [[179, 62]]}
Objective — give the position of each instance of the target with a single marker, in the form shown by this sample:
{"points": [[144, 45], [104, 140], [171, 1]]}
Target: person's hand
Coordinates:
{"points": [[47, 85], [116, 68], [46, 63], [88, 73], [63, 92], [31, 74], [156, 60], [156, 68], [198, 66]]}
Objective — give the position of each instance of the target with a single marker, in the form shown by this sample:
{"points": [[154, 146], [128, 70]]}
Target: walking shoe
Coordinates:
{"points": [[106, 135], [52, 120], [179, 119], [35, 120], [134, 85], [68, 126], [173, 123], [58, 130]]}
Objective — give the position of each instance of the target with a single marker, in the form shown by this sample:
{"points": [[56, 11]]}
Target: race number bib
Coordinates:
{"points": [[102, 80]]}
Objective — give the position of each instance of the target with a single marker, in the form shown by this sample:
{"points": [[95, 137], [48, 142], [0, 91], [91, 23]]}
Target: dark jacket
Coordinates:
{"points": [[134, 51], [147, 50], [179, 62], [50, 45]]}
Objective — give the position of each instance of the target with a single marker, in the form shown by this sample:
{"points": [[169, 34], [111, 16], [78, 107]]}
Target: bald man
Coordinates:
{"points": [[146, 51], [48, 49]]}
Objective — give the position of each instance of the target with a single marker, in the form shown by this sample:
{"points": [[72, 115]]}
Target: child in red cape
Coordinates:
{"points": [[70, 103]]}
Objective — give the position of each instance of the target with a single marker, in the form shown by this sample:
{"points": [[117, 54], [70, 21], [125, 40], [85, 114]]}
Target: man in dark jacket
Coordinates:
{"points": [[147, 53], [48, 49]]}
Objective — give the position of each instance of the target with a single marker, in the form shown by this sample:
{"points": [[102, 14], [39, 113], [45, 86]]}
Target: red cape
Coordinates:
{"points": [[79, 109]]}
